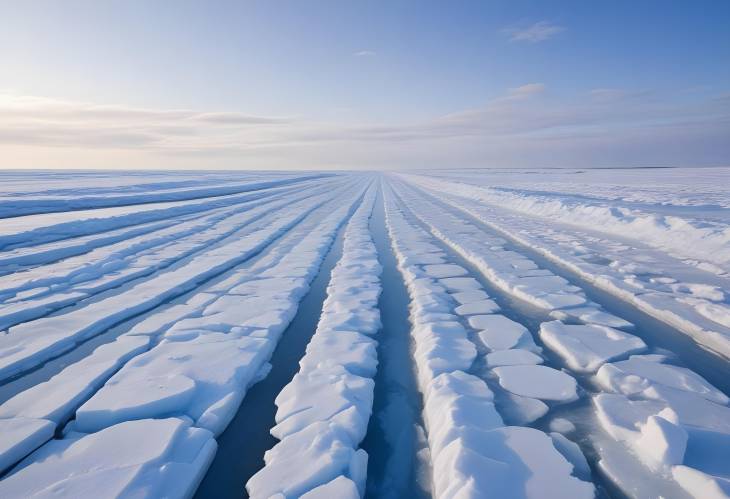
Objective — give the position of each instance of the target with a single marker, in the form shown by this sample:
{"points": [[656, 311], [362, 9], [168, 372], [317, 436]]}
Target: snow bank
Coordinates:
{"points": [[630, 275], [322, 414], [705, 242]]}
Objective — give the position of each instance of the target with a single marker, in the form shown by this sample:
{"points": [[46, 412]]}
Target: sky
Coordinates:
{"points": [[333, 84]]}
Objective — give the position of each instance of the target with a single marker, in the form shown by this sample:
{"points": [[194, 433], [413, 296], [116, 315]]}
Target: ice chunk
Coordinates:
{"points": [[639, 373], [572, 453], [477, 307], [586, 348], [561, 425], [521, 410], [339, 488], [662, 442], [538, 382], [307, 459], [465, 297], [20, 436], [700, 484], [506, 462], [146, 397], [592, 315], [145, 458], [444, 270], [499, 332], [456, 284], [329, 393], [514, 357], [176, 377], [355, 351], [455, 401]]}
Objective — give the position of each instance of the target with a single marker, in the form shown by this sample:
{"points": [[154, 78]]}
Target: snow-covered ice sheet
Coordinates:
{"points": [[166, 360], [137, 310]]}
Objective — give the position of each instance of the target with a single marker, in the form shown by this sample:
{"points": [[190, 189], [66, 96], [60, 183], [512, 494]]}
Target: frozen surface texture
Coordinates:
{"points": [[568, 332]]}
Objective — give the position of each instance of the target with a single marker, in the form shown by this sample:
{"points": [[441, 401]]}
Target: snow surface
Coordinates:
{"points": [[137, 310]]}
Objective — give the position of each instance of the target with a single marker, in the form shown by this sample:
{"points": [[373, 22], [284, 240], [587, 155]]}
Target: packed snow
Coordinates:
{"points": [[569, 331]]}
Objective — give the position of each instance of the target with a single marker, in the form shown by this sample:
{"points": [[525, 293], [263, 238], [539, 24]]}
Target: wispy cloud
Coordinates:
{"points": [[365, 53], [525, 126], [538, 32], [526, 91]]}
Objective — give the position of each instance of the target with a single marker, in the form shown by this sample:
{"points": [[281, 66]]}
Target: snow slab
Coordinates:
{"points": [[641, 373], [585, 348], [465, 297], [457, 284], [540, 382], [500, 333], [20, 436], [444, 270], [571, 451], [307, 459], [513, 461], [328, 393], [176, 378], [513, 357], [477, 307], [146, 458]]}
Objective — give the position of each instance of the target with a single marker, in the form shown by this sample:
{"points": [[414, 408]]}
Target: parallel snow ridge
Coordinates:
{"points": [[237, 331], [671, 233], [679, 410], [24, 205], [322, 414], [28, 344], [512, 272], [30, 294], [167, 365], [699, 309], [473, 453]]}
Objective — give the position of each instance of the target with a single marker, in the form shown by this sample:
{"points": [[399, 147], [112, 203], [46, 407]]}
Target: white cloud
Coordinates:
{"points": [[538, 32], [526, 91], [523, 127], [365, 53]]}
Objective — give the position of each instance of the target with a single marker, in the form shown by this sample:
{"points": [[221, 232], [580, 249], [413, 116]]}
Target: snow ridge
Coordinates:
{"points": [[323, 412], [165, 371], [473, 453]]}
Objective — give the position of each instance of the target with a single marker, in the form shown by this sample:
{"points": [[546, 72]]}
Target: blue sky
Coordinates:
{"points": [[364, 84]]}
